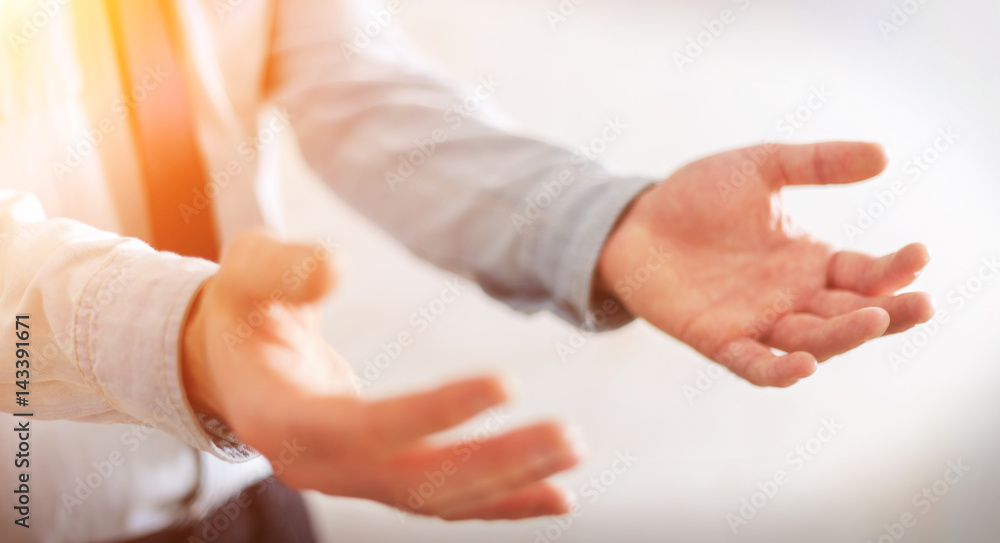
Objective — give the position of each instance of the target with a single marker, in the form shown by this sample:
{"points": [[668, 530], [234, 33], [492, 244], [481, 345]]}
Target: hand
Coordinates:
{"points": [[254, 357], [740, 278]]}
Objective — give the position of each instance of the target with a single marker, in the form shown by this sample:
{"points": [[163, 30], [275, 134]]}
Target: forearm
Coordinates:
{"points": [[523, 218], [105, 322]]}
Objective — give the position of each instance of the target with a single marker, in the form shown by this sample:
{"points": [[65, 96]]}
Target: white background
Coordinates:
{"points": [[698, 457]]}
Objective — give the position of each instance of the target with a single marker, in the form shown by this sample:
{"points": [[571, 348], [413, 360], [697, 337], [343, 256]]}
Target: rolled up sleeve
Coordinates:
{"points": [[106, 316], [524, 218]]}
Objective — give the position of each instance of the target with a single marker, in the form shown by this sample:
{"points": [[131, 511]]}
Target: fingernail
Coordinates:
{"points": [[512, 386], [570, 497], [574, 436]]}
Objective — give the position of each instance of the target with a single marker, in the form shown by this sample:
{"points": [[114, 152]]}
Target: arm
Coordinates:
{"points": [[122, 334], [743, 279], [254, 355], [401, 144], [105, 320], [723, 249]]}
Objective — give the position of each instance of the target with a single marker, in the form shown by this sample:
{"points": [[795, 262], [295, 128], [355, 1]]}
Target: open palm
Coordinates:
{"points": [[709, 257], [255, 357]]}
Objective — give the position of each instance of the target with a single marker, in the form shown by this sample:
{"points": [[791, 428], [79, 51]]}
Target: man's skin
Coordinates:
{"points": [[740, 279], [734, 255]]}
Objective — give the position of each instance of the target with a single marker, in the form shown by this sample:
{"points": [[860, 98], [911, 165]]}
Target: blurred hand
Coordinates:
{"points": [[740, 278], [254, 357]]}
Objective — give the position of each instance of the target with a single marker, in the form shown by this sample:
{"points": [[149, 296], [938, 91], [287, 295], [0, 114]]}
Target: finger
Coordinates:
{"points": [[485, 472], [339, 375], [259, 266], [826, 338], [833, 162], [398, 422], [905, 310], [872, 276], [536, 500], [756, 363]]}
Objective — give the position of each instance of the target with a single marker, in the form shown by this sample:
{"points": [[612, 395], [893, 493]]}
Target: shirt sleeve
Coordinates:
{"points": [[104, 316], [431, 165]]}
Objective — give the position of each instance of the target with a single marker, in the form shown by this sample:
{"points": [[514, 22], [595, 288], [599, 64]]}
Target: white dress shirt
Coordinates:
{"points": [[391, 136]]}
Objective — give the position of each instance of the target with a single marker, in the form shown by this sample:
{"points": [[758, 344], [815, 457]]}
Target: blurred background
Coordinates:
{"points": [[899, 440]]}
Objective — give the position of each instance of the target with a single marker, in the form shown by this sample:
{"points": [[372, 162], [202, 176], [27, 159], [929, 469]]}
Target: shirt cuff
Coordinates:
{"points": [[578, 225], [130, 320]]}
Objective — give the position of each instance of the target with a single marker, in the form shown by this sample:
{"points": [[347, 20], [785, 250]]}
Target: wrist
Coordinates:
{"points": [[603, 283], [607, 274], [194, 358]]}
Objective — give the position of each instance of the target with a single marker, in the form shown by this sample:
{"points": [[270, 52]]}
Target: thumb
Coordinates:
{"points": [[833, 162], [257, 265]]}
